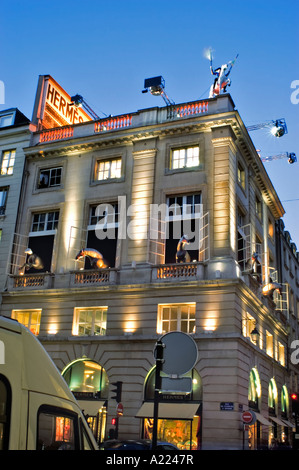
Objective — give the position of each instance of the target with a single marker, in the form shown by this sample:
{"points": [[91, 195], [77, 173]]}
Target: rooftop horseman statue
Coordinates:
{"points": [[221, 80]]}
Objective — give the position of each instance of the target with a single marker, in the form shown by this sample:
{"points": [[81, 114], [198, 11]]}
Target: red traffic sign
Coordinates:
{"points": [[120, 409], [247, 417]]}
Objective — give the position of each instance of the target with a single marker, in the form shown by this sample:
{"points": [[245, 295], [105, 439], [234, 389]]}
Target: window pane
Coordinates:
{"points": [[8, 161], [55, 432], [91, 321]]}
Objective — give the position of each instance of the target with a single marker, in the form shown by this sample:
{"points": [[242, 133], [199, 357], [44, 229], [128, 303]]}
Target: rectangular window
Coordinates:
{"points": [[49, 178], [3, 199], [6, 120], [90, 321], [269, 344], [281, 354], [258, 208], [176, 317], [105, 215], [45, 221], [183, 218], [241, 176], [108, 169], [249, 326], [57, 430], [28, 318], [189, 205], [8, 161], [184, 158]]}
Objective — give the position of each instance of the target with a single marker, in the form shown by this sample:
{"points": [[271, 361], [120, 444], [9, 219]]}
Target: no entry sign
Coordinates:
{"points": [[247, 417]]}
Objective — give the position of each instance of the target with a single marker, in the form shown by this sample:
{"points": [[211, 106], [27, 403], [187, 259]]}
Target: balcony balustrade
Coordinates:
{"points": [[31, 281]]}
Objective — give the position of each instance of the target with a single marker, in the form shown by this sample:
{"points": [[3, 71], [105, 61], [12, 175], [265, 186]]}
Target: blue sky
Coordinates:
{"points": [[104, 50]]}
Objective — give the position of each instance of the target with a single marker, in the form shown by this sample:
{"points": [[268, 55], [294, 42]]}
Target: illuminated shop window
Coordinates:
{"points": [[28, 318], [272, 397], [176, 317], [284, 401], [8, 161], [184, 158], [149, 388], [49, 178], [87, 377], [3, 199], [184, 433], [108, 169], [254, 389], [90, 321]]}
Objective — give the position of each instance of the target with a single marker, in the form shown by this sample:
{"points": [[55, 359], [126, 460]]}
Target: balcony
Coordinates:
{"points": [[92, 277], [31, 281], [143, 274], [178, 272]]}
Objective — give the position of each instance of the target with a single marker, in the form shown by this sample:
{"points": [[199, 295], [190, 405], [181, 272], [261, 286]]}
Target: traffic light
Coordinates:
{"points": [[114, 421], [295, 403], [117, 391]]}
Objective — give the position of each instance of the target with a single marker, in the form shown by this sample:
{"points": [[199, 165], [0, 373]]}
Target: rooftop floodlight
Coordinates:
{"points": [[291, 156], [279, 128], [77, 100], [156, 86]]}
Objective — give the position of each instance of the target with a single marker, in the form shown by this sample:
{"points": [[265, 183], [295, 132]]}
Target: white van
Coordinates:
{"points": [[37, 409]]}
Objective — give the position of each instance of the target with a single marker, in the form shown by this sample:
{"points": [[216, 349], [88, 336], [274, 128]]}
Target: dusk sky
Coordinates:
{"points": [[104, 50]]}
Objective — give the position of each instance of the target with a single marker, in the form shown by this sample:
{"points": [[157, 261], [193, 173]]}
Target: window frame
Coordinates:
{"points": [[50, 170], [47, 231], [9, 164], [184, 158], [59, 412], [110, 161], [30, 325], [92, 326], [3, 190], [241, 175], [178, 319]]}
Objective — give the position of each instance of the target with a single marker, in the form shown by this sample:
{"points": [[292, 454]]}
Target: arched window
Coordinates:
{"points": [[87, 376], [272, 397], [284, 401], [149, 389], [254, 389]]}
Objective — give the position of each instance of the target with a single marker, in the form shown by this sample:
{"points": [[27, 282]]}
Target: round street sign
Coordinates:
{"points": [[247, 417], [179, 353]]}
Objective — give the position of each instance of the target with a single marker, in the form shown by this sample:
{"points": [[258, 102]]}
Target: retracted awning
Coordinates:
{"points": [[262, 419], [169, 410], [90, 407], [277, 420], [288, 423]]}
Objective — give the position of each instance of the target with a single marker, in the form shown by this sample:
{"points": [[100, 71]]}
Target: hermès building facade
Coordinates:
{"points": [[106, 204]]}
